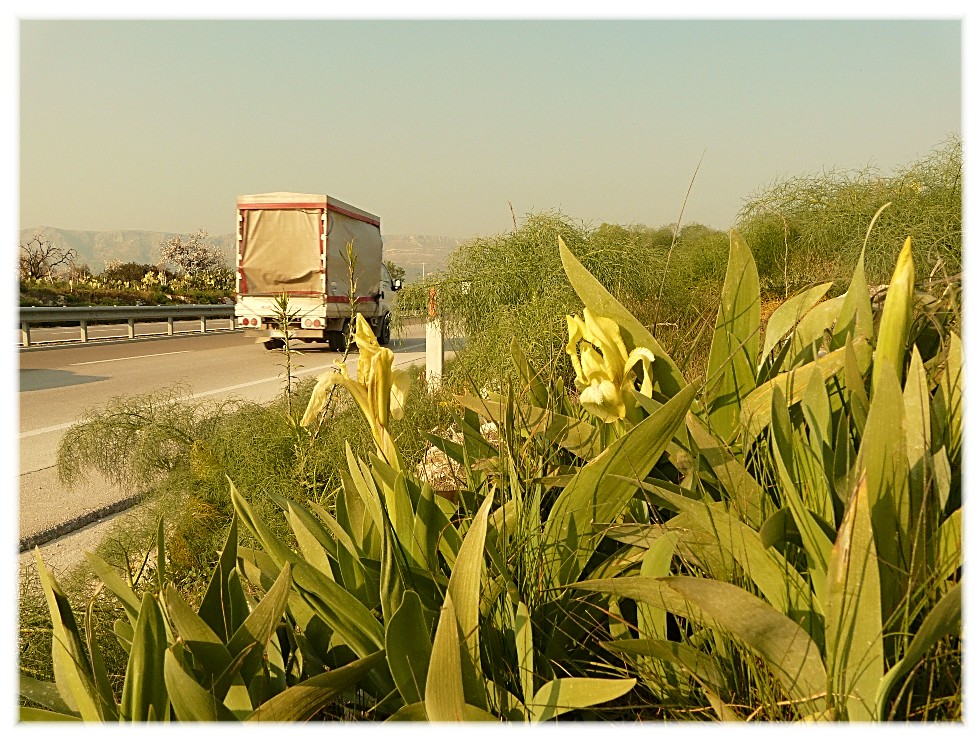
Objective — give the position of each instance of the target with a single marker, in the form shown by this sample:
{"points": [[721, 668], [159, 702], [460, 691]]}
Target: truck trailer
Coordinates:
{"points": [[296, 244]]}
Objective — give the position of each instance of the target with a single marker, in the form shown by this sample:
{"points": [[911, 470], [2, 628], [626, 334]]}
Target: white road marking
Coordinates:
{"points": [[131, 357], [59, 427], [202, 394]]}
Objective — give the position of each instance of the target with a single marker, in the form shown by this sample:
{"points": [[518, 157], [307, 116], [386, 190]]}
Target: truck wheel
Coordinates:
{"points": [[273, 344], [384, 334], [335, 341]]}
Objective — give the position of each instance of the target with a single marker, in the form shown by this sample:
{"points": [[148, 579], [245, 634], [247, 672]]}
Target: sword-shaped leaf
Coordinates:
{"points": [[853, 628], [566, 694], [599, 491], [408, 648], [734, 352], [444, 700], [69, 661], [144, 694], [301, 702], [191, 701]]}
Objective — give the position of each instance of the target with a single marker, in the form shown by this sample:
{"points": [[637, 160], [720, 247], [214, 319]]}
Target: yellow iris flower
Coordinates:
{"points": [[603, 367], [379, 391]]}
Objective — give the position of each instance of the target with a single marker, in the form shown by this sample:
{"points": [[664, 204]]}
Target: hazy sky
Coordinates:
{"points": [[436, 125]]}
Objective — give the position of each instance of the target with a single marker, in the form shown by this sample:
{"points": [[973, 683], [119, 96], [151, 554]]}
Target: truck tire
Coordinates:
{"points": [[335, 341], [272, 344], [384, 332]]}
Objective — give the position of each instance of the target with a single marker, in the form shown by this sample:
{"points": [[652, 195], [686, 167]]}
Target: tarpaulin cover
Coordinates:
{"points": [[366, 239], [281, 250], [281, 245]]}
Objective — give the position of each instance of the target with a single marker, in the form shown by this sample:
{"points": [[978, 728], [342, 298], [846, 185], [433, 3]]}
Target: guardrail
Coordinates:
{"points": [[130, 315]]}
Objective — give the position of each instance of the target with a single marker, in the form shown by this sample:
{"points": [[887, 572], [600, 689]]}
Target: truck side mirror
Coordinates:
{"points": [[396, 284]]}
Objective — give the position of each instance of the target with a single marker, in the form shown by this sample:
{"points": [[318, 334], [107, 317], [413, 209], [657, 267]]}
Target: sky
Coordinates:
{"points": [[441, 126]]}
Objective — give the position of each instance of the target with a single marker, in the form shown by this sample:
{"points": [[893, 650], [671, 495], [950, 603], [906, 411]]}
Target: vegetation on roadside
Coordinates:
{"points": [[660, 509], [191, 271]]}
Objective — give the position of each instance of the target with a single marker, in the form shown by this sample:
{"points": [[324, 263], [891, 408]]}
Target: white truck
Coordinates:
{"points": [[296, 244]]}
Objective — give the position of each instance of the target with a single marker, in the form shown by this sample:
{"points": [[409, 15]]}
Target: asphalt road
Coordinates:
{"points": [[58, 385]]}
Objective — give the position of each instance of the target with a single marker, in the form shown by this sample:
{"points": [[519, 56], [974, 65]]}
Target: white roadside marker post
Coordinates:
{"points": [[433, 345]]}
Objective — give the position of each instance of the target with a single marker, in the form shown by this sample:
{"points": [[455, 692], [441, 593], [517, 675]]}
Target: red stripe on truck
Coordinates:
{"points": [[300, 206]]}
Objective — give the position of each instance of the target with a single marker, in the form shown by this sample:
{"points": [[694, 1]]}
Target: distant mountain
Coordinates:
{"points": [[415, 253]]}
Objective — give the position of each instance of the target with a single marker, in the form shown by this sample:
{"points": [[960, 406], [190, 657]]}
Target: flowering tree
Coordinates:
{"points": [[196, 255]]}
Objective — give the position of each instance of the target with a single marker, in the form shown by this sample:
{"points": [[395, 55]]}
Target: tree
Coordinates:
{"points": [[39, 259], [396, 272], [194, 256]]}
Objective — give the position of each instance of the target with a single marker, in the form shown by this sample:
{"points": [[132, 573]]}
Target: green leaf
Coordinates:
{"points": [[100, 677], [191, 702], [812, 333], [576, 435], [788, 651], [815, 542], [531, 382], [730, 374], [444, 700], [853, 628], [524, 643], [301, 702], [566, 694], [258, 628], [393, 570], [896, 320], [69, 661], [700, 665], [772, 574], [124, 634], [466, 579], [364, 488], [32, 714], [216, 606], [120, 589], [882, 455], [144, 694], [854, 384], [949, 548], [667, 377], [408, 648], [744, 492], [207, 648], [416, 713], [44, 693], [950, 397], [757, 407], [339, 610], [788, 314], [856, 318], [595, 497], [944, 619]]}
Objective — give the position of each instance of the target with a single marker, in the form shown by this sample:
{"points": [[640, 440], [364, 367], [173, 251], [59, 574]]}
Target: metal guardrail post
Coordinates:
{"points": [[83, 317]]}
